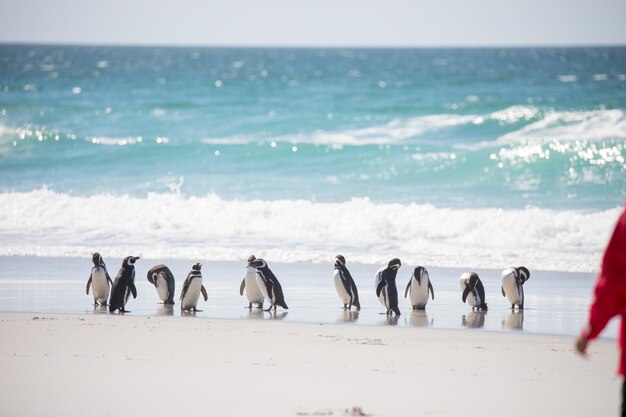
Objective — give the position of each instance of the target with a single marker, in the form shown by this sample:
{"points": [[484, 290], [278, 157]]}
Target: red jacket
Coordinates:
{"points": [[610, 290]]}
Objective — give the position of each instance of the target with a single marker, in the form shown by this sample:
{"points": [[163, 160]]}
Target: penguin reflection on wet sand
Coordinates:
{"points": [[473, 291], [345, 285], [192, 289], [99, 281], [269, 285], [123, 286], [250, 286], [386, 289], [418, 286], [513, 280], [163, 280]]}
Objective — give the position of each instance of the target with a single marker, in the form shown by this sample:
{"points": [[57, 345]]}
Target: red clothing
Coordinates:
{"points": [[610, 290]]}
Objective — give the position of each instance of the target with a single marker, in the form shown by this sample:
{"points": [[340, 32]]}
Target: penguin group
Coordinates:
{"points": [[118, 292], [261, 286]]}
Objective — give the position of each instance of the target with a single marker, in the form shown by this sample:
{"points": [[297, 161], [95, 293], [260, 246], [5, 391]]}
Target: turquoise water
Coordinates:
{"points": [[400, 150]]}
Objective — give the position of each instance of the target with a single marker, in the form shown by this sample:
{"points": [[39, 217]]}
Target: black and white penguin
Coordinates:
{"points": [[192, 289], [386, 289], [513, 280], [418, 286], [251, 287], [162, 278], [123, 286], [269, 285], [99, 280], [473, 291], [345, 285]]}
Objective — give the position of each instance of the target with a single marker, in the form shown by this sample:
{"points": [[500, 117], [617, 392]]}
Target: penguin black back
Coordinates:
{"points": [[474, 286], [348, 282], [170, 282], [274, 289], [124, 285], [388, 281]]}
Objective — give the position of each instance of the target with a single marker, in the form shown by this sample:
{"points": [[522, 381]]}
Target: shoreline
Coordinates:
{"points": [[556, 304], [96, 365]]}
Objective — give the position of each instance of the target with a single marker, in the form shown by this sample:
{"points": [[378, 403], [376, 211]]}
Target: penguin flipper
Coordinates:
{"points": [[133, 289], [204, 294], [109, 279], [242, 286], [380, 287], [466, 292], [408, 286], [88, 284], [502, 289], [432, 291]]}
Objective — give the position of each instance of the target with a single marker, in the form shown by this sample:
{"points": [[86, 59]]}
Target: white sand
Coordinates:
{"points": [[105, 365]]}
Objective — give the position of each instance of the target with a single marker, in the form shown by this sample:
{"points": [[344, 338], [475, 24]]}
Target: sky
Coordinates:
{"points": [[330, 23]]}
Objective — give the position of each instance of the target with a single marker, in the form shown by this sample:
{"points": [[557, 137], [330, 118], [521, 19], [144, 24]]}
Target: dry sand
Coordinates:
{"points": [[106, 365]]}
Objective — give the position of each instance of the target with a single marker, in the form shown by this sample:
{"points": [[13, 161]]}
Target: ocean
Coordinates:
{"points": [[474, 158]]}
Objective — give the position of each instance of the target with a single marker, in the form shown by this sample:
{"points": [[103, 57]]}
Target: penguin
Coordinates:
{"points": [[162, 278], [386, 289], [513, 280], [123, 286], [418, 286], [473, 291], [99, 280], [345, 285], [269, 285], [192, 289], [249, 284]]}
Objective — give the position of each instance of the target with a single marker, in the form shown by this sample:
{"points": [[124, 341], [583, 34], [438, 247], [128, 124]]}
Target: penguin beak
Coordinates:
{"points": [[135, 258]]}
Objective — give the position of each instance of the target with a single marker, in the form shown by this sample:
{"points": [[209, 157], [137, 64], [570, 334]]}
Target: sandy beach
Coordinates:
{"points": [[101, 365]]}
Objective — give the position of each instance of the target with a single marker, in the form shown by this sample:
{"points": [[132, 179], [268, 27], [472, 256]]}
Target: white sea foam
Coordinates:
{"points": [[162, 226], [535, 125], [563, 126]]}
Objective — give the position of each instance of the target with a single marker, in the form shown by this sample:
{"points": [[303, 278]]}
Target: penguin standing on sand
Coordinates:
{"points": [[99, 280], [345, 285], [249, 284], [418, 286], [473, 291], [386, 289], [192, 289], [513, 280], [269, 285], [162, 278], [123, 286]]}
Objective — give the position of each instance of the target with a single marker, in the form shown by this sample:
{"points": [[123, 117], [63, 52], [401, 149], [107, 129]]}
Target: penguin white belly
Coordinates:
{"points": [[253, 292], [261, 284], [190, 300], [470, 300], [383, 294], [510, 287], [100, 285], [162, 289], [344, 296], [419, 293]]}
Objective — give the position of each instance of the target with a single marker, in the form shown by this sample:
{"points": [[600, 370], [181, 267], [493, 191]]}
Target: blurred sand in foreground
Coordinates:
{"points": [[104, 365]]}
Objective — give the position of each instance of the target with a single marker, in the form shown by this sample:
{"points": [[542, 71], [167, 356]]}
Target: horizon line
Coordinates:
{"points": [[311, 46]]}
